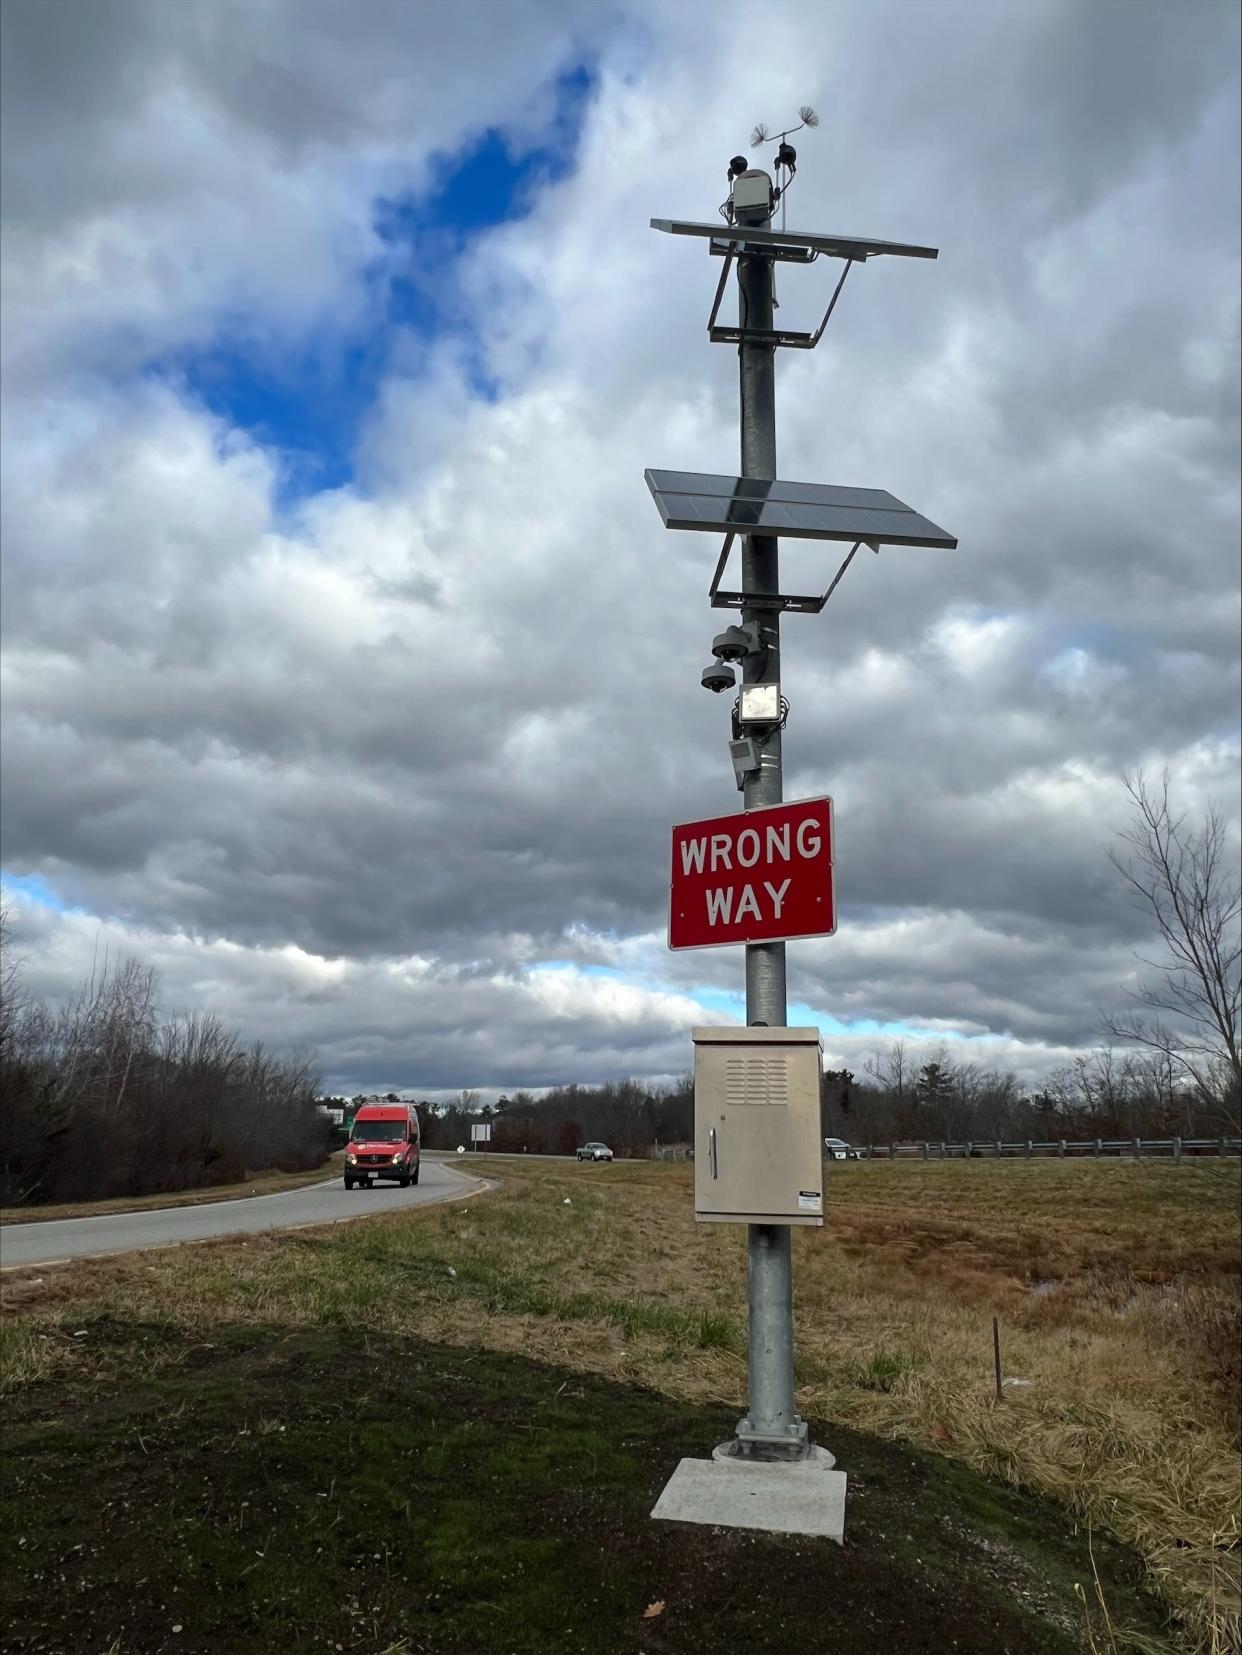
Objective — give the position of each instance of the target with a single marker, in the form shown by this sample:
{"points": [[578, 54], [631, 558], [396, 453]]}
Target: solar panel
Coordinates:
{"points": [[806, 511], [841, 247]]}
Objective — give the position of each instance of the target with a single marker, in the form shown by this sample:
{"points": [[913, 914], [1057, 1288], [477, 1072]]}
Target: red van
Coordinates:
{"points": [[383, 1143]]}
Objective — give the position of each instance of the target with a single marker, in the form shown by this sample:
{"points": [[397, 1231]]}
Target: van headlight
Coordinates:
{"points": [[350, 1156], [397, 1156]]}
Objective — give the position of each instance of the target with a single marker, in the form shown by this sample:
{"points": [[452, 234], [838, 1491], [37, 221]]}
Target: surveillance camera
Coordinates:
{"points": [[735, 643], [718, 677]]}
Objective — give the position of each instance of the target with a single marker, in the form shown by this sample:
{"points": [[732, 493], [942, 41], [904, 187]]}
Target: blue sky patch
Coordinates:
{"points": [[725, 1003], [34, 888], [308, 404], [579, 970]]}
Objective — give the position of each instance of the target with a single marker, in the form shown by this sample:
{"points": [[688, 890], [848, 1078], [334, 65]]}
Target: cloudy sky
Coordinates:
{"points": [[349, 675]]}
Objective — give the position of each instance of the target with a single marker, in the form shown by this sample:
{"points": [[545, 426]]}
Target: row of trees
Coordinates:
{"points": [[1107, 1093], [630, 1116], [106, 1097], [898, 1097]]}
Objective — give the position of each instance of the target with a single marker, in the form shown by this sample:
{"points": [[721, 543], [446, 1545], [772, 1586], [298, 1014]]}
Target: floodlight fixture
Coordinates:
{"points": [[759, 704]]}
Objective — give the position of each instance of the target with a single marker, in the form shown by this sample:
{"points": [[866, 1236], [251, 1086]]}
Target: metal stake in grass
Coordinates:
{"points": [[1000, 1395]]}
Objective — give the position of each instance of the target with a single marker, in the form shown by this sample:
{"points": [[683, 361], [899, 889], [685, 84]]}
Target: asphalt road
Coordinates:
{"points": [[326, 1203]]}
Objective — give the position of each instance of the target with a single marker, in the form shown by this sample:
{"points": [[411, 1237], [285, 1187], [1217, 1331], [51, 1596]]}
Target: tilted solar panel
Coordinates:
{"points": [[843, 247], [808, 511]]}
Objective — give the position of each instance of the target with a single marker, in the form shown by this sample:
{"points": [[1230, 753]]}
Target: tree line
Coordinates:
{"points": [[630, 1116], [897, 1097], [1111, 1093], [106, 1097]]}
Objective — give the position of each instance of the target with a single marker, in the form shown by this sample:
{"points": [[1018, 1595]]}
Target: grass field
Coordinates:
{"points": [[1116, 1285]]}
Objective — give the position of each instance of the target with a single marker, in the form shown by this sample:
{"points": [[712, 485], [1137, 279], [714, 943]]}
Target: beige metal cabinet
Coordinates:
{"points": [[757, 1157]]}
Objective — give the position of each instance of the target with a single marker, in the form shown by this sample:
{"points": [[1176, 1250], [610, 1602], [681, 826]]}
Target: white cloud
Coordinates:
{"points": [[354, 769]]}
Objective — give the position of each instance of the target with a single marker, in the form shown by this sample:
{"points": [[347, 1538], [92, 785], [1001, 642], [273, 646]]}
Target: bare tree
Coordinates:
{"points": [[13, 996], [892, 1070], [1182, 876]]}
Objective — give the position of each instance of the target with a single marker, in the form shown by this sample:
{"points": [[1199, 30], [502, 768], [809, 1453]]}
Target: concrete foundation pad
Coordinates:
{"points": [[800, 1497]]}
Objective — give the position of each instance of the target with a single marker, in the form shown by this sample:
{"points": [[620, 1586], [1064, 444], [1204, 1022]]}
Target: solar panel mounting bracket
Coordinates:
{"points": [[719, 334], [790, 246], [786, 602]]}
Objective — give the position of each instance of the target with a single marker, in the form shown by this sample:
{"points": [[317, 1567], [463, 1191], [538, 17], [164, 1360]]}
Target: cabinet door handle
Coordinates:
{"points": [[711, 1150]]}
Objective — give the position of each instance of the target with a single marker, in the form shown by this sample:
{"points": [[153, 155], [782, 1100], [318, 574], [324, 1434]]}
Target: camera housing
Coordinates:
{"points": [[735, 643], [718, 677]]}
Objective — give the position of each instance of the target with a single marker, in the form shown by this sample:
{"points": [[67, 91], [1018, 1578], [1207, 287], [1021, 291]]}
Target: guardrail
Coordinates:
{"points": [[1058, 1148]]}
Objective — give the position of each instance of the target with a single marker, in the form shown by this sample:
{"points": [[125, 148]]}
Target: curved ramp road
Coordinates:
{"points": [[327, 1203]]}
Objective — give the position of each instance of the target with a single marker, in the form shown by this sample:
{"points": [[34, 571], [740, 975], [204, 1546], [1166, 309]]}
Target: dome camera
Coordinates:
{"points": [[735, 643], [719, 676]]}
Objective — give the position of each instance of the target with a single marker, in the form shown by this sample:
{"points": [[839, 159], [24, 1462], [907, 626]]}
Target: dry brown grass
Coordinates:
{"points": [[1130, 1415]]}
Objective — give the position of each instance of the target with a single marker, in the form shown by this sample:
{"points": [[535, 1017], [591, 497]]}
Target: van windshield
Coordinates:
{"points": [[378, 1131]]}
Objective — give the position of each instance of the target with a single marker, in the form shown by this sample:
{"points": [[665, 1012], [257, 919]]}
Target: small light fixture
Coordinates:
{"points": [[745, 756]]}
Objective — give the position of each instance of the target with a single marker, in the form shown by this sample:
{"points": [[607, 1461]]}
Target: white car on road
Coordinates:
{"points": [[594, 1152]]}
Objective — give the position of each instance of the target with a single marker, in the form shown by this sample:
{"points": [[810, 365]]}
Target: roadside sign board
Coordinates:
{"points": [[756, 876], [480, 1133]]}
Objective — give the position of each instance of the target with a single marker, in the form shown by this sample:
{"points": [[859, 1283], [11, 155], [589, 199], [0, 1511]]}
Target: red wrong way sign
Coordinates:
{"points": [[756, 876]]}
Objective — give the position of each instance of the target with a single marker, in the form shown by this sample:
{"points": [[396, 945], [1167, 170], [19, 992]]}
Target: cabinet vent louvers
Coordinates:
{"points": [[755, 1080]]}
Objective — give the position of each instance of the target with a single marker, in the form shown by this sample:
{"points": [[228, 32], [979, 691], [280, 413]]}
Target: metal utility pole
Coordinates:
{"points": [[770, 1358], [704, 912]]}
